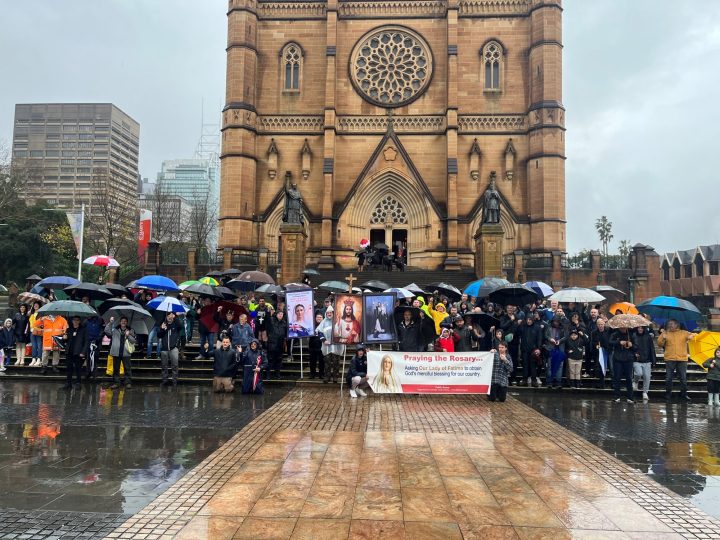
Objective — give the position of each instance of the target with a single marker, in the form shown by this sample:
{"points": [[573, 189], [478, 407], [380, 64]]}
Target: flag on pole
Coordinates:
{"points": [[76, 222], [144, 232]]}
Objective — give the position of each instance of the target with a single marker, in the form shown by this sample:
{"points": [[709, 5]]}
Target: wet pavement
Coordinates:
{"points": [[676, 445], [81, 462]]}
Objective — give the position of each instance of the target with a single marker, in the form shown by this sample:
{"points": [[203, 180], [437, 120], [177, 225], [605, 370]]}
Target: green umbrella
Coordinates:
{"points": [[185, 284], [67, 308]]}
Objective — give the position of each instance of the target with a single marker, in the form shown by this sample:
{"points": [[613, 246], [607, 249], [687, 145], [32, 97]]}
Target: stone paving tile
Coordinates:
{"points": [[380, 467]]}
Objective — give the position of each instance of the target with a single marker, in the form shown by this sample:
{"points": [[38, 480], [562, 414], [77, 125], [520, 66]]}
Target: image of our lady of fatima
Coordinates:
{"points": [[347, 325], [378, 320]]}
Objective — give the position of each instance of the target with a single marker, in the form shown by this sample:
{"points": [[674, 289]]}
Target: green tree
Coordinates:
{"points": [[624, 250], [604, 228]]}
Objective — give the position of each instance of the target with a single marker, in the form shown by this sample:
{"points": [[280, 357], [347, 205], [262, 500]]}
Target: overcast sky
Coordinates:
{"points": [[639, 83]]}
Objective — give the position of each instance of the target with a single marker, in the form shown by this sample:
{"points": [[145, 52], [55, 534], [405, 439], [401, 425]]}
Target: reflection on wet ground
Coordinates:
{"points": [[105, 451], [676, 445]]}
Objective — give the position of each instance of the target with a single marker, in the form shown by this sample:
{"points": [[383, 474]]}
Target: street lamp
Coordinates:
{"points": [[82, 235]]}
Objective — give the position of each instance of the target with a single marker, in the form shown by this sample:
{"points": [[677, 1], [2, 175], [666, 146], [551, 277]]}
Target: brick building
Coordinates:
{"points": [[391, 116]]}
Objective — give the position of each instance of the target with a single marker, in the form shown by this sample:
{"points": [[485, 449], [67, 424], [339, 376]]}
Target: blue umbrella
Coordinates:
{"points": [[662, 308], [156, 283], [58, 282], [543, 289], [485, 286], [167, 304]]}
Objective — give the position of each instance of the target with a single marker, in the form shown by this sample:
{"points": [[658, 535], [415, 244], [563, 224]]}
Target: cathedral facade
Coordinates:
{"points": [[392, 117]]}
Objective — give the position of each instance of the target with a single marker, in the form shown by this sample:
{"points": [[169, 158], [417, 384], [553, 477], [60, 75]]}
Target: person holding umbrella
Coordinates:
{"points": [[169, 334], [644, 359], [623, 355], [35, 335], [121, 346], [52, 326], [674, 340], [76, 346], [254, 361]]}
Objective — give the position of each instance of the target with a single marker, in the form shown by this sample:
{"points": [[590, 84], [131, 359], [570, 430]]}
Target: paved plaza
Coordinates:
{"points": [[78, 464], [315, 466]]}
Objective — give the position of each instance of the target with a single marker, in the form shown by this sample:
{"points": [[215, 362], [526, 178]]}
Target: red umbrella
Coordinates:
{"points": [[102, 260], [207, 314]]}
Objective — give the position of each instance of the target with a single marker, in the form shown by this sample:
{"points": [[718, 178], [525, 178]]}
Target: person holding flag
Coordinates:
{"points": [[254, 361]]}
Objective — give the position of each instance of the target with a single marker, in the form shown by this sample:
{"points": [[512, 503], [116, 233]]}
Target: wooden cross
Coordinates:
{"points": [[350, 279]]}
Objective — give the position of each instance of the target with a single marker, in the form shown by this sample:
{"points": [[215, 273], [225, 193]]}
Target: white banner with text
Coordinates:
{"points": [[430, 372]]}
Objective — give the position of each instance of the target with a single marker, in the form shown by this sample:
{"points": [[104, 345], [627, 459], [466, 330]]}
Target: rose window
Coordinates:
{"points": [[388, 208], [391, 66]]}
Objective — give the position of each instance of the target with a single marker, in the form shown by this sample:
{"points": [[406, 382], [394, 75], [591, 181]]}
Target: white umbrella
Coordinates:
{"points": [[402, 293], [577, 294]]}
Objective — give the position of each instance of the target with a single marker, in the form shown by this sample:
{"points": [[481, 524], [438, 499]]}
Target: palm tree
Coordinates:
{"points": [[604, 229], [624, 250]]}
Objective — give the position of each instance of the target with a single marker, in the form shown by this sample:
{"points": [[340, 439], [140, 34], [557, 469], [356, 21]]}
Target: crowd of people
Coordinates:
{"points": [[537, 344]]}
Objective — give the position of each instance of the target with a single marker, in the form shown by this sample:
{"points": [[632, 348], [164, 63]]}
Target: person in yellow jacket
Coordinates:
{"points": [[52, 326], [674, 340], [36, 336], [439, 314]]}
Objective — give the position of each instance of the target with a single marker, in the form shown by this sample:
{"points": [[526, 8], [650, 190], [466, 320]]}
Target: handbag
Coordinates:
{"points": [[129, 347]]}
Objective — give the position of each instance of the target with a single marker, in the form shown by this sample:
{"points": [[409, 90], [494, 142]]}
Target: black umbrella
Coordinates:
{"points": [[381, 245], [231, 272], [67, 309], [215, 274], [489, 285], [515, 294], [33, 277], [452, 292], [483, 320], [334, 286], [113, 302], [91, 290], [610, 293], [256, 276], [203, 290], [266, 288], [375, 285], [297, 287], [226, 293], [117, 290], [310, 272]]}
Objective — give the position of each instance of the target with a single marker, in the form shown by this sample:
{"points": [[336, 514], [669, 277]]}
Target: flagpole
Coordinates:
{"points": [[82, 238]]}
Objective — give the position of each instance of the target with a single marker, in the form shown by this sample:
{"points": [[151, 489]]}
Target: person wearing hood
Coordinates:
{"points": [[574, 348], [277, 331], [713, 378], [254, 361], [464, 336], [333, 351], [644, 359], [438, 315], [7, 342], [421, 305], [357, 378], [623, 354], [53, 326], [169, 337], [445, 343], [532, 337], [226, 361], [94, 330]]}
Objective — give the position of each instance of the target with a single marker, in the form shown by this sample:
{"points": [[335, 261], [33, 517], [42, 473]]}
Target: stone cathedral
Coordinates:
{"points": [[393, 117]]}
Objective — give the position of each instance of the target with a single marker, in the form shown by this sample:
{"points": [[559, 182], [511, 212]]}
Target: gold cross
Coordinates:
{"points": [[350, 279]]}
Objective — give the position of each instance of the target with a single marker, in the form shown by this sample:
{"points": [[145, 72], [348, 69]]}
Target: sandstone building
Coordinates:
{"points": [[391, 116]]}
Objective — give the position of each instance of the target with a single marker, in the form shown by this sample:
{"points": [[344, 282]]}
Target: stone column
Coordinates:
{"points": [[489, 250], [192, 262], [227, 258], [293, 245]]}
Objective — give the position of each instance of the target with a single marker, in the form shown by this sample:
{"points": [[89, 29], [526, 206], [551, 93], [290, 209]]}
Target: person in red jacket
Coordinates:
{"points": [[445, 343]]}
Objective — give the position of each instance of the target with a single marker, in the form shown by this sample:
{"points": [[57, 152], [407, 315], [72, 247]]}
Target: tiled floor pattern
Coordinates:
{"points": [[315, 466]]}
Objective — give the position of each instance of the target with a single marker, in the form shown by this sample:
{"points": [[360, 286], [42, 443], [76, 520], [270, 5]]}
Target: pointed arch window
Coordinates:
{"points": [[492, 59], [292, 59]]}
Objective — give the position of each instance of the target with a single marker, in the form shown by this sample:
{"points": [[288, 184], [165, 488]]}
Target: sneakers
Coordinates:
{"points": [[353, 394], [360, 393], [645, 396], [616, 400], [18, 363], [2, 368], [635, 386], [630, 400], [717, 400]]}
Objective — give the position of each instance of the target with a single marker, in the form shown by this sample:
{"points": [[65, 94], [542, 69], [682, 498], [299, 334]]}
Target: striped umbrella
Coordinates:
{"points": [[207, 280], [102, 260]]}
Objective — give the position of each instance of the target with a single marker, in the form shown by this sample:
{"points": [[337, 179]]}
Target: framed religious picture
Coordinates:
{"points": [[347, 324], [301, 323], [378, 321]]}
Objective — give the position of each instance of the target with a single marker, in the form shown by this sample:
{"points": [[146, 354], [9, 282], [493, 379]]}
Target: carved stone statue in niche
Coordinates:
{"points": [[293, 202], [491, 208]]}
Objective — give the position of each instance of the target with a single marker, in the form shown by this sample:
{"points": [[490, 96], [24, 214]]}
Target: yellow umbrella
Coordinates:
{"points": [[703, 346], [209, 281], [625, 307]]}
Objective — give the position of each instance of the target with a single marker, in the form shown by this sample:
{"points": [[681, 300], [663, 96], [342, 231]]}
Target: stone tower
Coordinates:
{"points": [[392, 115]]}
